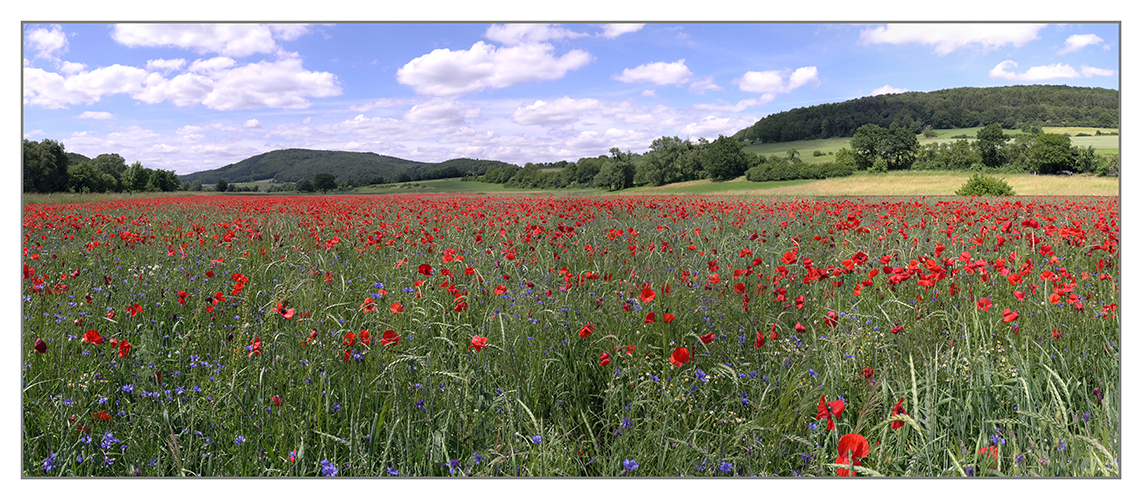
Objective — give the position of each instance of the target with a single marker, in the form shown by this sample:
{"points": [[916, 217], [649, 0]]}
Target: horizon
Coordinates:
{"points": [[191, 98]]}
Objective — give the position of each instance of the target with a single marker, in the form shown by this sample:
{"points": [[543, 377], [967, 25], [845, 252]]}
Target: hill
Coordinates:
{"points": [[1013, 107], [292, 165], [76, 159]]}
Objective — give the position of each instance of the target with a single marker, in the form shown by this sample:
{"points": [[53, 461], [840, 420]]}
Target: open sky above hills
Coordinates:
{"points": [[198, 97]]}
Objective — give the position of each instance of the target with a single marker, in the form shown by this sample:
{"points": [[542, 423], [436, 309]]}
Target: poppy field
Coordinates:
{"points": [[444, 335]]}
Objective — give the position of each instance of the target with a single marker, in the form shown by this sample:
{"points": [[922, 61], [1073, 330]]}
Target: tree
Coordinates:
{"points": [[111, 165], [989, 141], [1050, 154], [82, 178], [324, 182], [45, 166], [221, 186], [899, 147], [136, 177], [725, 159], [660, 166], [304, 186], [617, 173], [866, 145]]}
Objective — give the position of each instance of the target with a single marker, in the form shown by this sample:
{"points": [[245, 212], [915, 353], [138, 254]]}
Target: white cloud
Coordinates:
{"points": [[218, 84], [888, 89], [1088, 71], [449, 73], [96, 115], [613, 31], [1077, 42], [236, 40], [1036, 73], [47, 42], [252, 123], [288, 32], [440, 112], [561, 112], [658, 73], [54, 91], [166, 65], [777, 81], [32, 133], [384, 102], [725, 106], [71, 68], [648, 93], [518, 34], [946, 38], [701, 86], [711, 127]]}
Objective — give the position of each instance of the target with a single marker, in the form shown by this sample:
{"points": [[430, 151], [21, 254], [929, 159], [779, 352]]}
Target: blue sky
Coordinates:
{"points": [[198, 97]]}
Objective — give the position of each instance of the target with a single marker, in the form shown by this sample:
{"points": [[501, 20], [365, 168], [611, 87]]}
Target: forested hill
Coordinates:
{"points": [[1013, 107], [292, 165]]}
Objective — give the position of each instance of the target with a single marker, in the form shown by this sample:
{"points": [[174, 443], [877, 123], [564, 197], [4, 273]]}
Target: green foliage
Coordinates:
{"points": [[943, 109], [879, 166], [324, 182], [984, 185], [775, 168], [929, 133], [617, 173], [724, 159], [989, 140], [221, 186], [45, 166], [1051, 154]]}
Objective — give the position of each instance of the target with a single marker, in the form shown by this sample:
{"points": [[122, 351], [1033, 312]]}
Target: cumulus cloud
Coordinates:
{"points": [[1087, 71], [252, 123], [518, 34], [613, 30], [701, 86], [711, 127], [648, 93], [384, 102], [561, 112], [946, 38], [777, 81], [166, 65], [449, 73], [288, 32], [1077, 42], [658, 73], [1036, 73], [235, 40], [55, 91], [46, 43], [441, 112], [888, 89], [71, 68], [725, 106], [96, 115]]}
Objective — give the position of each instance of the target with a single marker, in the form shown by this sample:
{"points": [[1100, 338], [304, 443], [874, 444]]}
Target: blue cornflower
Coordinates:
{"points": [[813, 373], [700, 374], [1062, 445], [478, 457], [49, 462], [726, 467], [240, 440], [629, 465], [1086, 417], [971, 471], [128, 388], [452, 465], [336, 407], [328, 469], [420, 404], [392, 471], [626, 423], [108, 440], [537, 439]]}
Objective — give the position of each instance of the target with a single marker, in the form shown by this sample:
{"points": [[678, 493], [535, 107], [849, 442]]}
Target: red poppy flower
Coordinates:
{"points": [[829, 410], [110, 314], [646, 295], [898, 409], [1009, 315], [867, 372], [277, 400], [630, 348], [500, 289], [831, 318], [604, 358], [124, 348], [365, 338], [586, 331], [460, 307], [182, 295], [345, 356], [1055, 333], [667, 318], [102, 415], [424, 269], [349, 339], [92, 337], [799, 327], [990, 450], [649, 318], [707, 338], [389, 337], [680, 356], [983, 304], [41, 346], [256, 348], [850, 449], [897, 328], [773, 332], [1019, 295], [757, 344], [209, 274], [478, 343], [368, 305], [396, 308]]}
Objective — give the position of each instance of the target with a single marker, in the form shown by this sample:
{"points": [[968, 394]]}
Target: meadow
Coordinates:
{"points": [[453, 335]]}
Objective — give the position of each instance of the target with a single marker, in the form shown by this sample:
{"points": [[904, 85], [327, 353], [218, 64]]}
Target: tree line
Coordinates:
{"points": [[1012, 107], [48, 168]]}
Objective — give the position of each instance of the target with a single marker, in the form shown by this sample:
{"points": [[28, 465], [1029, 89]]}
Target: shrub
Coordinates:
{"points": [[983, 185], [929, 133], [817, 152]]}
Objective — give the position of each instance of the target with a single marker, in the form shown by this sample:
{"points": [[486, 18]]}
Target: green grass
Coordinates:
{"points": [[535, 400]]}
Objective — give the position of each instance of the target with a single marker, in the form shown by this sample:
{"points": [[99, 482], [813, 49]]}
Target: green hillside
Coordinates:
{"points": [[1014, 107], [292, 165]]}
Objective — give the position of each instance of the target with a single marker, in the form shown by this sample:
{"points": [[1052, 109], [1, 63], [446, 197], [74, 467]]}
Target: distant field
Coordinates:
{"points": [[893, 183], [464, 187]]}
